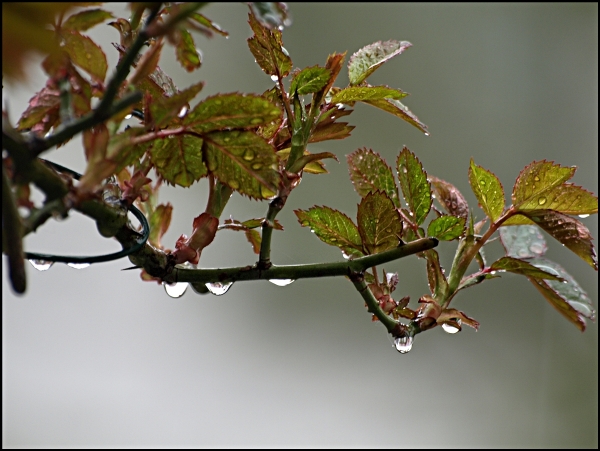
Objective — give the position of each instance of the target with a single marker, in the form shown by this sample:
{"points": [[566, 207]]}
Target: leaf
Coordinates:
{"points": [[267, 47], [488, 190], [414, 185], [397, 108], [123, 150], [243, 161], [178, 159], [452, 315], [85, 20], [333, 130], [523, 241], [86, 54], [446, 228], [226, 111], [45, 103], [95, 142], [566, 198], [334, 64], [332, 227], [522, 267], [535, 182], [147, 64], [313, 167], [305, 160], [436, 279], [369, 173], [159, 220], [368, 59], [569, 231], [205, 22], [165, 109], [379, 223], [310, 80], [364, 93], [254, 239], [186, 52], [449, 197]]}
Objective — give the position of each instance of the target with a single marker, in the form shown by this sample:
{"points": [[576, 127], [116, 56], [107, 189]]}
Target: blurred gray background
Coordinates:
{"points": [[97, 357]]}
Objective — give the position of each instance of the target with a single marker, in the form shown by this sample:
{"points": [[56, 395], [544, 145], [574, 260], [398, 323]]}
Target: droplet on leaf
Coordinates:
{"points": [[176, 290], [78, 265], [219, 288], [542, 200], [583, 216], [281, 282], [451, 328], [249, 155], [234, 184], [41, 265]]}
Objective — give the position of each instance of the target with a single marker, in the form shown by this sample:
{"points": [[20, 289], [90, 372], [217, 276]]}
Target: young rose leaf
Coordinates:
{"points": [[207, 23], [379, 223], [86, 54], [435, 276], [456, 318], [254, 239], [566, 198], [368, 59], [243, 161], [43, 107], [332, 227], [334, 65], [567, 287], [414, 185], [449, 198], [267, 47], [563, 307], [305, 160], [369, 173], [536, 181], [446, 228], [257, 222], [310, 80], [165, 109], [365, 93], [186, 52], [488, 190], [397, 108], [95, 143], [525, 241], [327, 131], [178, 159], [159, 220], [569, 231], [522, 267], [147, 64], [313, 167], [85, 20], [226, 111]]}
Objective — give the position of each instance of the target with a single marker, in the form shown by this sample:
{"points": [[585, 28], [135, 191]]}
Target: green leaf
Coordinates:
{"points": [[186, 52], [536, 181], [85, 20], [243, 161], [159, 220], [414, 185], [86, 54], [305, 160], [566, 198], [178, 159], [165, 109], [313, 167], [364, 93], [488, 190], [310, 80], [397, 108], [225, 111], [205, 22], [525, 241], [449, 197], [332, 227], [569, 231], [522, 267], [267, 47], [369, 173], [446, 228], [379, 223], [368, 59]]}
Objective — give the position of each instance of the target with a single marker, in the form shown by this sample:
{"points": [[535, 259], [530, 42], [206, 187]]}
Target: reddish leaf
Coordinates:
{"points": [[159, 220], [42, 112], [559, 303], [449, 197], [369, 173], [379, 223], [166, 109], [207, 23], [522, 267]]}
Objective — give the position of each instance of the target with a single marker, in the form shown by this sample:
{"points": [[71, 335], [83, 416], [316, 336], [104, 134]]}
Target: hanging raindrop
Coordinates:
{"points": [[403, 344], [281, 282], [78, 265], [175, 290], [219, 288], [41, 265], [451, 328]]}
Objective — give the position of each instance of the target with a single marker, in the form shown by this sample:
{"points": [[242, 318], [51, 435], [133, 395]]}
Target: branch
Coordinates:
{"points": [[12, 234]]}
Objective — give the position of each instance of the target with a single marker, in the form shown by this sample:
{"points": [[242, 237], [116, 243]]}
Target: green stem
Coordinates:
{"points": [[264, 258], [218, 197], [12, 236]]}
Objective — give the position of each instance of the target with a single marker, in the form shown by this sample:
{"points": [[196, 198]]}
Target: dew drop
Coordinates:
{"points": [[536, 178], [129, 116], [183, 111], [41, 265], [275, 78], [583, 216], [427, 134], [305, 223], [256, 166], [249, 155], [451, 328], [585, 309], [219, 288], [88, 56], [256, 120], [403, 344], [482, 182], [281, 282], [176, 290], [542, 200], [346, 256], [537, 248], [267, 193], [78, 265], [234, 184]]}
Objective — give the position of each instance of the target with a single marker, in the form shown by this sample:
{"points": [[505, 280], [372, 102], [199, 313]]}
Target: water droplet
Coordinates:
{"points": [[305, 223], [183, 111], [346, 256], [234, 184], [536, 178], [285, 52], [403, 344], [256, 166], [249, 155], [78, 265], [281, 282], [482, 182], [129, 116], [542, 200], [88, 56], [427, 134], [585, 309], [537, 248], [176, 290], [219, 288], [212, 165], [275, 78], [583, 216], [41, 265], [451, 328], [493, 273], [256, 120], [267, 193]]}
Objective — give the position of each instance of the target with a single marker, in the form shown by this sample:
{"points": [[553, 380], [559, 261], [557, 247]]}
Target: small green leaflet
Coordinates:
{"points": [[186, 52], [368, 59], [569, 231], [364, 93], [369, 173], [267, 47], [536, 181], [446, 227], [86, 54], [450, 198], [333, 227], [310, 80], [525, 241], [397, 108], [227, 111], [414, 185], [165, 109], [488, 190], [301, 163], [379, 223], [242, 160], [522, 267], [178, 159]]}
